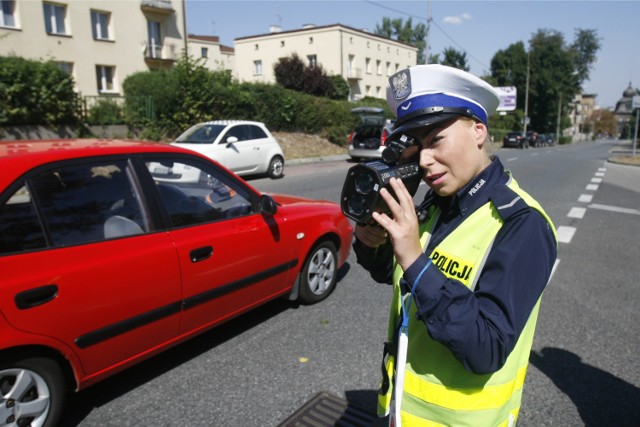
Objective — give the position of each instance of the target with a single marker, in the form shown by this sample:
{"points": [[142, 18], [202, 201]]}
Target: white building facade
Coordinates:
{"points": [[211, 53], [98, 42], [365, 60]]}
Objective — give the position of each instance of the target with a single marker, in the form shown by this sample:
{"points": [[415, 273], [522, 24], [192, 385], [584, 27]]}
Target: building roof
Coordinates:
{"points": [[213, 39], [309, 27]]}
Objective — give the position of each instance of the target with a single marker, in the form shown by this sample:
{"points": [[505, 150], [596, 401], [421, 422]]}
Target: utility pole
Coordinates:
{"points": [[526, 96], [559, 116], [426, 45]]}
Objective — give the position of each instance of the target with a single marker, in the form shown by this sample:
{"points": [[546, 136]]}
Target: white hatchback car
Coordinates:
{"points": [[244, 147]]}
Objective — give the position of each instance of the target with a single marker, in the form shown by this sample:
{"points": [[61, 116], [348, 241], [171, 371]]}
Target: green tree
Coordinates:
{"points": [[584, 49], [455, 58], [405, 32], [555, 69]]}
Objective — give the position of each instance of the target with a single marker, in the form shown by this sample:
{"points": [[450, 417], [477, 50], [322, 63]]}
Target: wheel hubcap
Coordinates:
{"points": [[24, 398], [321, 271]]}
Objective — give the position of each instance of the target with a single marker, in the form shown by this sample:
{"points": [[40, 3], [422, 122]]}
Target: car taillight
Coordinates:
{"points": [[383, 137]]}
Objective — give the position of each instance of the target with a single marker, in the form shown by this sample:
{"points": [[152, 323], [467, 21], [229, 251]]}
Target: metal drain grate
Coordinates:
{"points": [[325, 409]]}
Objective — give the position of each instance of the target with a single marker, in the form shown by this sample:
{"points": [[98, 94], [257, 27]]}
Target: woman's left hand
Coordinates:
{"points": [[403, 228]]}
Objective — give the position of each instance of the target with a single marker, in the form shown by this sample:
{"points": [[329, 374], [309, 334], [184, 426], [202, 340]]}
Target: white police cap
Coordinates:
{"points": [[425, 95]]}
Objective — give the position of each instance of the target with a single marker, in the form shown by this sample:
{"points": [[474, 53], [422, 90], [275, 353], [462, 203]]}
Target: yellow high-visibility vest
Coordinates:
{"points": [[438, 390]]}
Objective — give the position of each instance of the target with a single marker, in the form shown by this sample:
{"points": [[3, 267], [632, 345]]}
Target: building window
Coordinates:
{"points": [[389, 69], [257, 68], [7, 18], [66, 67], [105, 75], [367, 90], [155, 39], [313, 61], [54, 18], [204, 52], [100, 25], [379, 67], [368, 65], [256, 46], [282, 43], [310, 40]]}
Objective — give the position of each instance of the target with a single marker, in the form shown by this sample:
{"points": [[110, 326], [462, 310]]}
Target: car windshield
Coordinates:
{"points": [[201, 134]]}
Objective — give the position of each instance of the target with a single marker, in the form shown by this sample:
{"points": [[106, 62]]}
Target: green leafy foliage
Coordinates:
{"points": [[34, 92]]}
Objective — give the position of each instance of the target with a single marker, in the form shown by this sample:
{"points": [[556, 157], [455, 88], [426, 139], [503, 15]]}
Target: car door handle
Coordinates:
{"points": [[201, 254], [36, 296]]}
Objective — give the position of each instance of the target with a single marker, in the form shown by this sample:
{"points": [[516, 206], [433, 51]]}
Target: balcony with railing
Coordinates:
{"points": [[354, 74], [158, 55], [162, 7]]}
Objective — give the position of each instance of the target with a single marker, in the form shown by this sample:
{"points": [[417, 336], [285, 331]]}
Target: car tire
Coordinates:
{"points": [[34, 378], [276, 168], [319, 274]]}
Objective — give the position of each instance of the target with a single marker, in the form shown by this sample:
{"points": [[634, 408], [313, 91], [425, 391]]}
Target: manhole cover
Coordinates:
{"points": [[325, 409]]}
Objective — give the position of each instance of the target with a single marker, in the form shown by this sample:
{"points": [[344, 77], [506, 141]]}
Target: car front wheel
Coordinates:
{"points": [[32, 392], [276, 168], [319, 274]]}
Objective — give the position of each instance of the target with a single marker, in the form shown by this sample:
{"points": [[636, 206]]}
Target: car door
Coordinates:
{"points": [[94, 274], [242, 153], [231, 256]]}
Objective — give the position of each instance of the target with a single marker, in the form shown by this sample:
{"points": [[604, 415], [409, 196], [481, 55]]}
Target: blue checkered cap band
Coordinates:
{"points": [[429, 87]]}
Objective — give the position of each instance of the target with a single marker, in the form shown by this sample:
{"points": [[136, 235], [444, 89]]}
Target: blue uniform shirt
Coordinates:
{"points": [[480, 327]]}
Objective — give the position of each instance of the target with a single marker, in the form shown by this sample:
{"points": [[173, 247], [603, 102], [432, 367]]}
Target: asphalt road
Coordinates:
{"points": [[260, 368]]}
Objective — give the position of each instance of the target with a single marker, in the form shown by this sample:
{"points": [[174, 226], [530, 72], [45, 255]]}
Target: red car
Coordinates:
{"points": [[113, 251]]}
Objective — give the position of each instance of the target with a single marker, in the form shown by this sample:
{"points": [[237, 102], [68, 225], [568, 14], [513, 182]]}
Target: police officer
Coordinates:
{"points": [[468, 265]]}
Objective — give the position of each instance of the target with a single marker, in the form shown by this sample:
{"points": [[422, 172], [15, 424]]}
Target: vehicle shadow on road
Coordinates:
{"points": [[600, 397], [80, 405]]}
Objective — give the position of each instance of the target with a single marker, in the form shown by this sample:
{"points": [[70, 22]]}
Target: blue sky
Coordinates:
{"points": [[480, 28]]}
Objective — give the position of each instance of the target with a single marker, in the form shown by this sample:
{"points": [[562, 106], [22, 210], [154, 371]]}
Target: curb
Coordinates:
{"points": [[306, 160]]}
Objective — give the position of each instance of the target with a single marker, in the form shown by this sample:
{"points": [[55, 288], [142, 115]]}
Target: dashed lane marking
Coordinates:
{"points": [[585, 198], [577, 213], [592, 187], [596, 180], [565, 233]]}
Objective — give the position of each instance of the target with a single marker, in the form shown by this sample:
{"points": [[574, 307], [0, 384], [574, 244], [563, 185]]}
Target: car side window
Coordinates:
{"points": [[256, 132], [196, 193], [242, 132], [88, 202], [20, 229]]}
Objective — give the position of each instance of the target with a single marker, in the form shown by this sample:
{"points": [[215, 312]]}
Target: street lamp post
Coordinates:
{"points": [[526, 97]]}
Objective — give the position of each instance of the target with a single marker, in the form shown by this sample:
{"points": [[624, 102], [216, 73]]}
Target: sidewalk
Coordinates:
{"points": [[622, 154]]}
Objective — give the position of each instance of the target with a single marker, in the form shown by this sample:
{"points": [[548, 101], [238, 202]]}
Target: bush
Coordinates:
{"points": [[105, 112], [34, 92]]}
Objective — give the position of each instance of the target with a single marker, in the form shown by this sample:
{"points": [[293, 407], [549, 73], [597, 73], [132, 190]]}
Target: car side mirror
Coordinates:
{"points": [[268, 205], [231, 140]]}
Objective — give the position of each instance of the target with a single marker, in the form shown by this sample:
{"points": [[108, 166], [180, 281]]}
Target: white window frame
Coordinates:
{"points": [[204, 52], [106, 79], [8, 15], [55, 18], [378, 67], [313, 60], [368, 65], [257, 67], [65, 66], [101, 25]]}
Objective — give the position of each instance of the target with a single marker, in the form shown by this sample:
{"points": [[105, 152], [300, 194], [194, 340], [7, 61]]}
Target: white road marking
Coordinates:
{"points": [[592, 187], [512, 158], [585, 198], [600, 174], [596, 180], [565, 234], [577, 213], [602, 169], [553, 270], [615, 209]]}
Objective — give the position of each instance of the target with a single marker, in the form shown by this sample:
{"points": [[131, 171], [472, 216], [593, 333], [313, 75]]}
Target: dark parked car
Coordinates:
{"points": [[516, 140], [367, 141]]}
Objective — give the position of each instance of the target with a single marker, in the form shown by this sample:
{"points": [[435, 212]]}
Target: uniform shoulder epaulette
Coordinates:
{"points": [[507, 202]]}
